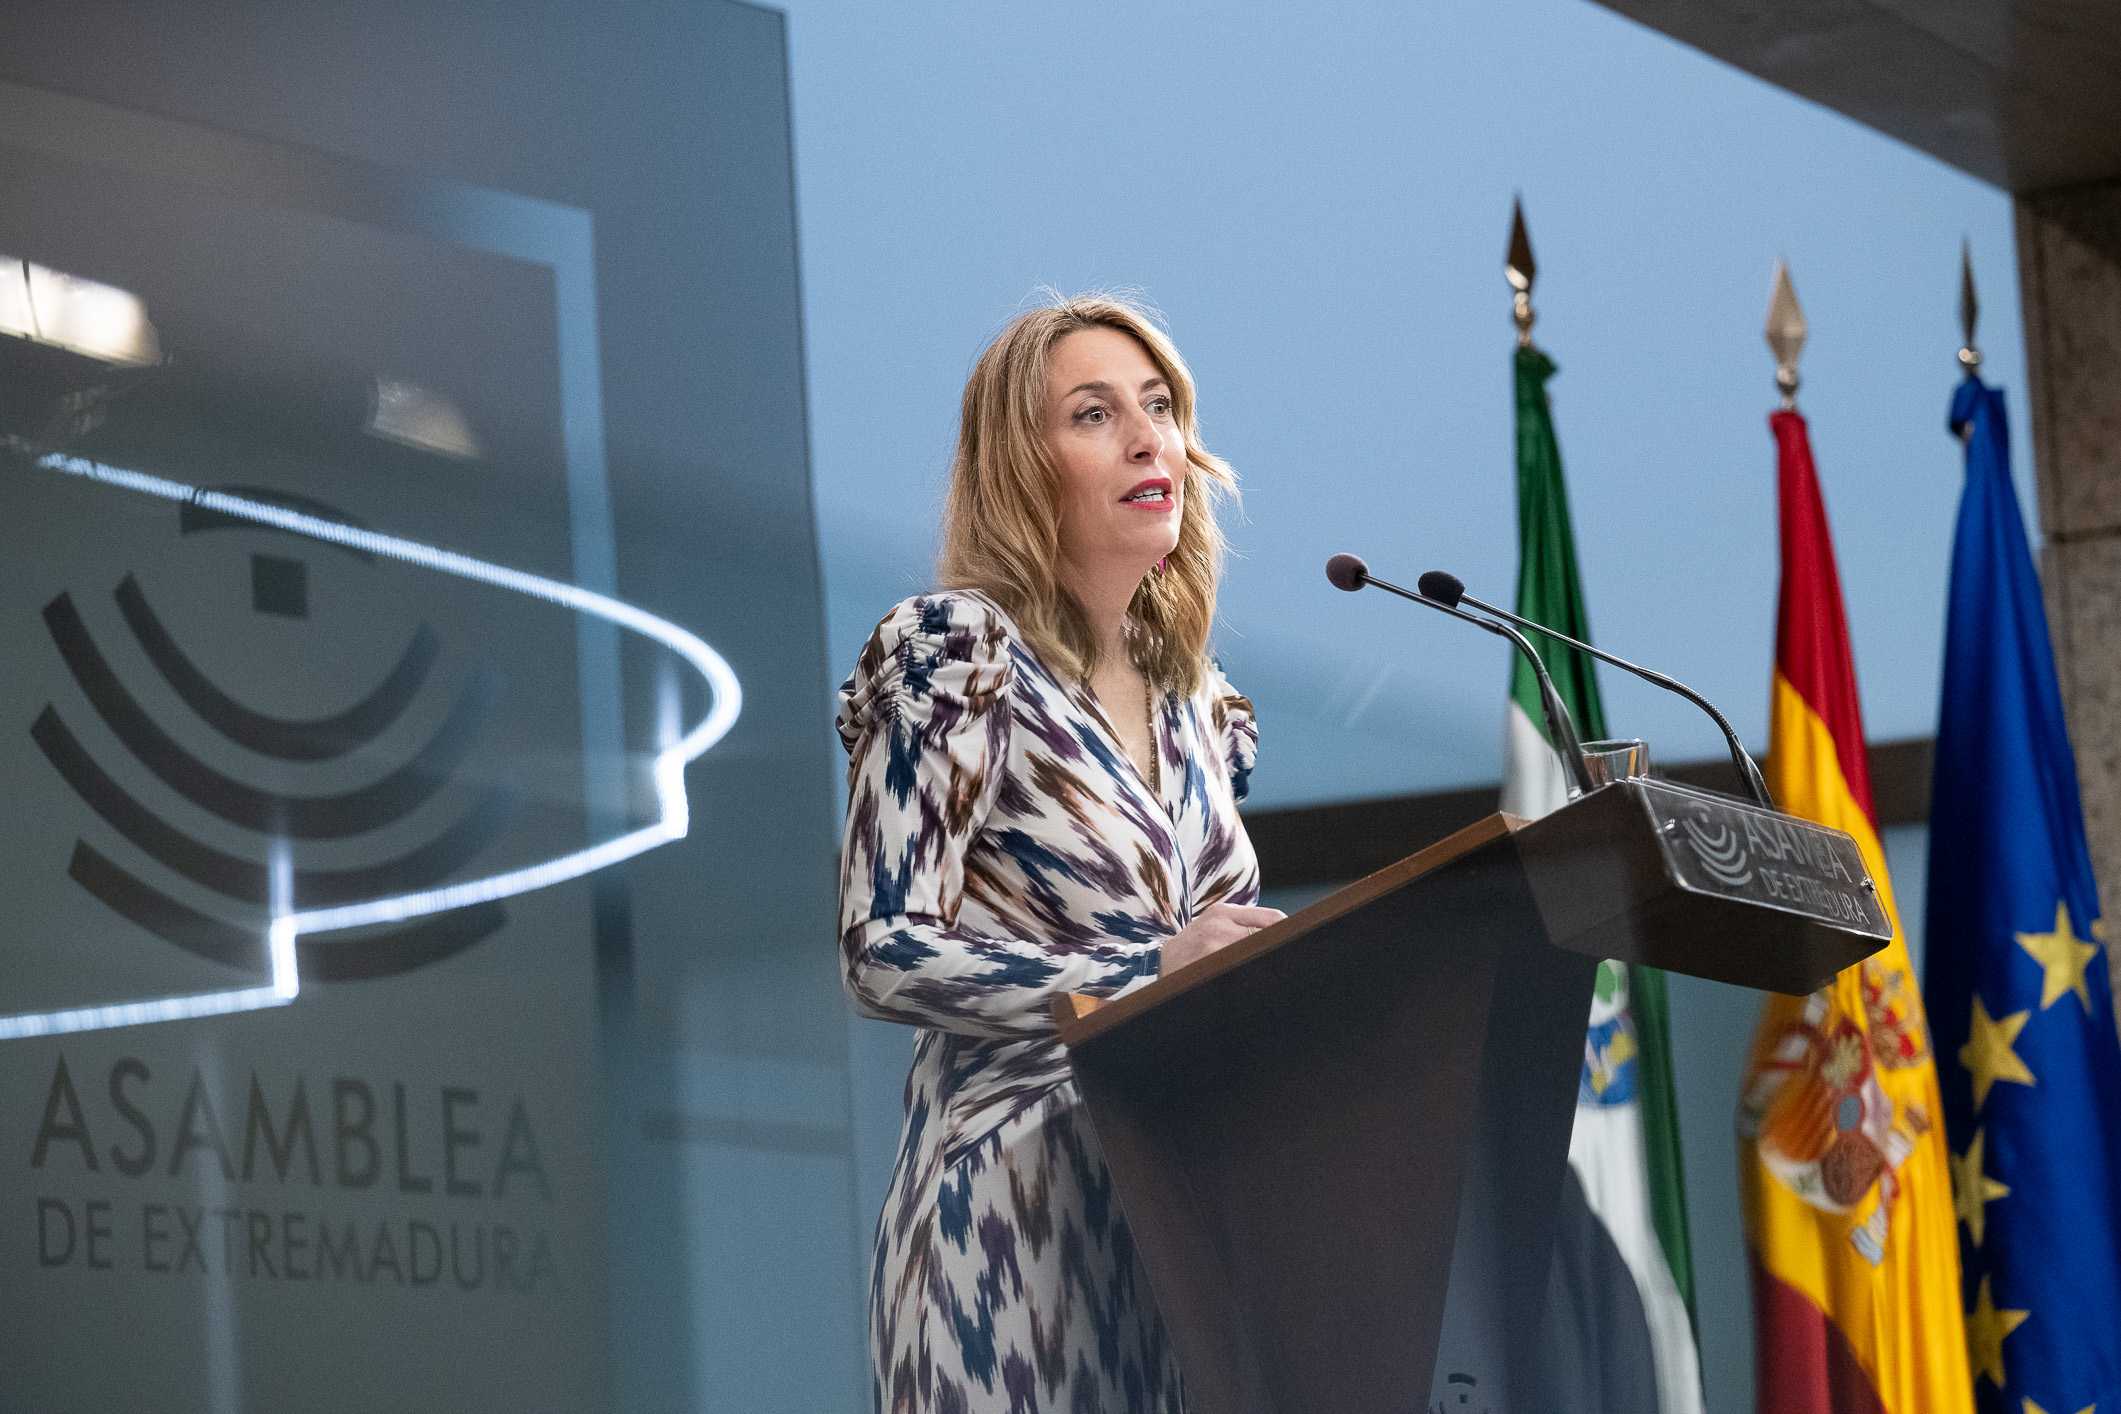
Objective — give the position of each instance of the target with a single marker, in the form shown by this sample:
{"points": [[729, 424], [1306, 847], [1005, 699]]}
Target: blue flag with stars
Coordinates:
{"points": [[2018, 987]]}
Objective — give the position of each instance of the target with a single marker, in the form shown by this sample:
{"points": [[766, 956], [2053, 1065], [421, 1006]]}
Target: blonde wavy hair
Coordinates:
{"points": [[1001, 520]]}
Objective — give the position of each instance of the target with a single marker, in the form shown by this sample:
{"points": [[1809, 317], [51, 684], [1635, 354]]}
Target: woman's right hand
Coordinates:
{"points": [[1218, 926]]}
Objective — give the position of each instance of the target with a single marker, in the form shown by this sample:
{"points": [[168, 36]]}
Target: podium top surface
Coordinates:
{"points": [[1641, 871]]}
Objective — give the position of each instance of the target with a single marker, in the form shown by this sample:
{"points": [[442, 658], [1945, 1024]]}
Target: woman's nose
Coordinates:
{"points": [[1144, 438]]}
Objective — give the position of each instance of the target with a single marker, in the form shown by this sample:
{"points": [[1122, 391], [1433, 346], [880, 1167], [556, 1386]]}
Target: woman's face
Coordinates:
{"points": [[1121, 458]]}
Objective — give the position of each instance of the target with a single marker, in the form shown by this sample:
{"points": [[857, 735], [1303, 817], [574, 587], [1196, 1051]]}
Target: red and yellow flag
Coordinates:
{"points": [[1842, 1161]]}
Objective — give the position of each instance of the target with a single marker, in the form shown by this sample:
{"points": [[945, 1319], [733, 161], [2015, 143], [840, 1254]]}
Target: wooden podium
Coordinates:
{"points": [[1329, 1133]]}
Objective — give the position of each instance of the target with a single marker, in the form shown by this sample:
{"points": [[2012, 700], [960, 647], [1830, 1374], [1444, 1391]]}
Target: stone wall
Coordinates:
{"points": [[2069, 263]]}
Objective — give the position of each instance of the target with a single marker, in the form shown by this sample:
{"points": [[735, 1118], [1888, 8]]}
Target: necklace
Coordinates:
{"points": [[1156, 751]]}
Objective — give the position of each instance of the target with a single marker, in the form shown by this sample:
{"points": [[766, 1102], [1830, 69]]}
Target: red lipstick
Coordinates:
{"points": [[1152, 495]]}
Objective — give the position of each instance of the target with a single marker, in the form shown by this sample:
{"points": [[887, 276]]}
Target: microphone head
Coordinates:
{"points": [[1347, 572], [1445, 589]]}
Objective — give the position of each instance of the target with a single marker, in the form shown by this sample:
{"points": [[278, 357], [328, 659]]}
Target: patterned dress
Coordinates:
{"points": [[1002, 850]]}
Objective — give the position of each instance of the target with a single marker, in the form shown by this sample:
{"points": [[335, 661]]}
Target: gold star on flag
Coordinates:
{"points": [[1987, 1054], [2062, 956], [1973, 1190], [2033, 1408], [1986, 1328]]}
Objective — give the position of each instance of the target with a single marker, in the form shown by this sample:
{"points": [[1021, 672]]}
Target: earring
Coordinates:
{"points": [[1160, 565]]}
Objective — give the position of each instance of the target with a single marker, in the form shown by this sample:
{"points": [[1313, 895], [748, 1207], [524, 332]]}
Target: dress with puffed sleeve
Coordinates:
{"points": [[1002, 851]]}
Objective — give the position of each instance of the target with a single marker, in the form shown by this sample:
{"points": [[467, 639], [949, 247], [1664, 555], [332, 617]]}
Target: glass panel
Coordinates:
{"points": [[203, 715]]}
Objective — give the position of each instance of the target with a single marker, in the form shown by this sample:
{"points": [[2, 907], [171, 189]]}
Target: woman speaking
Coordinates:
{"points": [[1042, 800]]}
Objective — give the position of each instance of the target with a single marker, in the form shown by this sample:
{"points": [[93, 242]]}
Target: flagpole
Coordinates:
{"points": [[1624, 1148], [1519, 269], [1785, 334], [1969, 313], [2015, 944], [1843, 1172]]}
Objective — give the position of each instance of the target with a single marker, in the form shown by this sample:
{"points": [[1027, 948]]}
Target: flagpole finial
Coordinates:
{"points": [[1519, 269], [1785, 334], [1969, 311]]}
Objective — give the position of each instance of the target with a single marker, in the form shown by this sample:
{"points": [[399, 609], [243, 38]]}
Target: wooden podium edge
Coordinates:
{"points": [[1080, 1017]]}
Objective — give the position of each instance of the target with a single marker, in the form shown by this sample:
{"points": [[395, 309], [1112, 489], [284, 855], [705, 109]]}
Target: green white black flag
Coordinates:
{"points": [[1624, 1149]]}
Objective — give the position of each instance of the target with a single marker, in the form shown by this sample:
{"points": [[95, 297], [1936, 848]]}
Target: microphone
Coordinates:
{"points": [[1449, 591], [1350, 573]]}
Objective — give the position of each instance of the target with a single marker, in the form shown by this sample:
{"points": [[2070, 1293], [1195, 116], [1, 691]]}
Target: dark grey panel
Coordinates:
{"points": [[2020, 93]]}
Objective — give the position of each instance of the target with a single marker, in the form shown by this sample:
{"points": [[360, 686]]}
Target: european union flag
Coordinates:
{"points": [[2018, 987]]}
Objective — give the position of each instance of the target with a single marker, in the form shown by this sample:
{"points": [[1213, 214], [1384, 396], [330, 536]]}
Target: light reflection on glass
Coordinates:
{"points": [[668, 773], [414, 416], [52, 307]]}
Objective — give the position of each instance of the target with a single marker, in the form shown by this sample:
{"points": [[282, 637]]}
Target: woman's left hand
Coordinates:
{"points": [[1218, 926]]}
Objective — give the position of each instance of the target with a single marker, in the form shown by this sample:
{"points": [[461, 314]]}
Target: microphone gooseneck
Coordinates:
{"points": [[1350, 573], [1448, 591]]}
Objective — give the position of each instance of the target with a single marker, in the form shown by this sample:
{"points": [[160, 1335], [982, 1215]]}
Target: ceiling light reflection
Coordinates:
{"points": [[52, 307], [414, 416]]}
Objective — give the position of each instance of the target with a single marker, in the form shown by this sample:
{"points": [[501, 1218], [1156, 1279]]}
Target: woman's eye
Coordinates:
{"points": [[1091, 414], [1159, 407]]}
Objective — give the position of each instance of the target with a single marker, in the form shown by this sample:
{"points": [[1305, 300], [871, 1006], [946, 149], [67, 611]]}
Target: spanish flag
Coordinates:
{"points": [[1842, 1161]]}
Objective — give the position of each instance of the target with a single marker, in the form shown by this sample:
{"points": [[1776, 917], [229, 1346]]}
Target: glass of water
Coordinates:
{"points": [[1611, 761]]}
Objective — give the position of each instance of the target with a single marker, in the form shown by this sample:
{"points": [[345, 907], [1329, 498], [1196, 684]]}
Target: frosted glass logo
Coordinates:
{"points": [[440, 919], [348, 815]]}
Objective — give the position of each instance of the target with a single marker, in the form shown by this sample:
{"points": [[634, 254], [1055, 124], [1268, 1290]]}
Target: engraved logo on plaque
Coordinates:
{"points": [[1720, 850]]}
